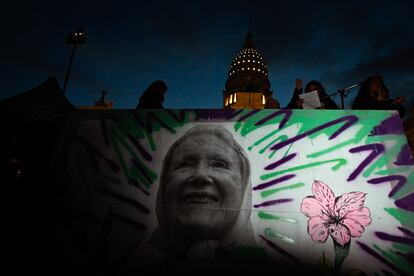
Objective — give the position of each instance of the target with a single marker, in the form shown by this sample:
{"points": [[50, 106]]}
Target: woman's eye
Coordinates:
{"points": [[184, 164], [219, 164]]}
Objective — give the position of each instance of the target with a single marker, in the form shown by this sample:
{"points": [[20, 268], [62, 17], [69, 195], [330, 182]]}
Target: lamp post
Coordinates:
{"points": [[75, 38]]}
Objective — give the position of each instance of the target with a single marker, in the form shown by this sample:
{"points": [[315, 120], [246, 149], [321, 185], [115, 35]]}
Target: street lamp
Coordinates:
{"points": [[75, 38]]}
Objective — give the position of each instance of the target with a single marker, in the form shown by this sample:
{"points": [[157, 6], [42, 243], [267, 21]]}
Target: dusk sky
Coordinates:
{"points": [[190, 44]]}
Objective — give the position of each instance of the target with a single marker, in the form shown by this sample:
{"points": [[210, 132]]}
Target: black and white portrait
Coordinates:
{"points": [[204, 199]]}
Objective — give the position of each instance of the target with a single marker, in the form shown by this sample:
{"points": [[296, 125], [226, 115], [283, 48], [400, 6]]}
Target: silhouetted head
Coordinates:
{"points": [[272, 103], [370, 90], [315, 86], [153, 96], [158, 88]]}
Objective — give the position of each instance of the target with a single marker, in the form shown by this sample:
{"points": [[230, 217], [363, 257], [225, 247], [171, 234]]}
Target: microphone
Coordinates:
{"points": [[351, 87]]}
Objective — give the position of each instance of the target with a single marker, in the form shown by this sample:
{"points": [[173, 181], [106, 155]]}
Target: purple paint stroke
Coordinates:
{"points": [[251, 113], [406, 231], [274, 182], [350, 120], [391, 125], [404, 158], [104, 118], [140, 148], [408, 256], [376, 149], [380, 258], [406, 203], [286, 112], [92, 153], [392, 238], [401, 182], [137, 185], [273, 202], [211, 114], [141, 169], [151, 119], [387, 273], [280, 250], [181, 115], [112, 164], [280, 162]]}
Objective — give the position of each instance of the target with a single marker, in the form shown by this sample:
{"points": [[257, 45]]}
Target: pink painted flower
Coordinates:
{"points": [[342, 217]]}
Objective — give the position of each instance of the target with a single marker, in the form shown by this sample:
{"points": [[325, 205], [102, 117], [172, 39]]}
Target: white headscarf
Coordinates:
{"points": [[241, 234]]}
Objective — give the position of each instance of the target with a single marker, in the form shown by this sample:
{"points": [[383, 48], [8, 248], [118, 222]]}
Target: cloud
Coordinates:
{"points": [[397, 63]]}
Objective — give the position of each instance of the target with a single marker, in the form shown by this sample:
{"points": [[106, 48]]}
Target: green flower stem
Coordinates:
{"points": [[341, 252]]}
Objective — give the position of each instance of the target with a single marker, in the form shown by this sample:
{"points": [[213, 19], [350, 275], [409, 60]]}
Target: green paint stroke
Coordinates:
{"points": [[389, 154], [333, 148], [286, 152], [405, 248], [249, 124], [396, 259], [393, 171], [340, 162], [270, 233], [117, 140], [153, 122], [290, 187], [407, 188], [263, 215], [280, 138], [306, 120], [404, 217], [369, 122]]}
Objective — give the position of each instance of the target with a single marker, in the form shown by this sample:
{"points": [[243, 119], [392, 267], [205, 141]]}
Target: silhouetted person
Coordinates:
{"points": [[409, 130], [272, 103], [374, 95], [153, 97], [296, 102]]}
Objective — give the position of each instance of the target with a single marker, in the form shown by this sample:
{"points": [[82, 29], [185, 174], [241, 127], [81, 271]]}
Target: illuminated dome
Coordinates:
{"points": [[248, 73], [248, 60]]}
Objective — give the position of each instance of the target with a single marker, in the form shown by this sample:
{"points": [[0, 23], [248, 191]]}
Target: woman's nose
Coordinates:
{"points": [[201, 175]]}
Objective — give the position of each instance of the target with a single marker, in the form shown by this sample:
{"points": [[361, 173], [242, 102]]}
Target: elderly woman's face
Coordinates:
{"points": [[203, 188]]}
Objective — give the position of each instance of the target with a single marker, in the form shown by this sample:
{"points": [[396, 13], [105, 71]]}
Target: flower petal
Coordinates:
{"points": [[310, 207], [361, 216], [324, 195], [354, 227], [349, 202], [318, 229], [340, 233]]}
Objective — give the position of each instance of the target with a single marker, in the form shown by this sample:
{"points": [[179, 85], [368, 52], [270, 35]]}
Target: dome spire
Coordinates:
{"points": [[249, 36], [247, 84]]}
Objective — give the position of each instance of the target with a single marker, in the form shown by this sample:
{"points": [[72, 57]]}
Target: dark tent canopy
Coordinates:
{"points": [[42, 104], [30, 124]]}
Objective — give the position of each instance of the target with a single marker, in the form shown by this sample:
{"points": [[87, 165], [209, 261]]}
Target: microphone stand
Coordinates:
{"points": [[344, 92]]}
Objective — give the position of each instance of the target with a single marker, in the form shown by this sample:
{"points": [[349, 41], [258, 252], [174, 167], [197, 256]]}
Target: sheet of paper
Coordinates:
{"points": [[310, 100]]}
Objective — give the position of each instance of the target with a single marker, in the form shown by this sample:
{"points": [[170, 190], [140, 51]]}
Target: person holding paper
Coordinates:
{"points": [[298, 99]]}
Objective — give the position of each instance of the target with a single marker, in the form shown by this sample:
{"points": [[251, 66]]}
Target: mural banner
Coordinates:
{"points": [[239, 189]]}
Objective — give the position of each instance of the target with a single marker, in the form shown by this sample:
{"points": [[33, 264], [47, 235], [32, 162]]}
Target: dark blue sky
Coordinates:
{"points": [[190, 44]]}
